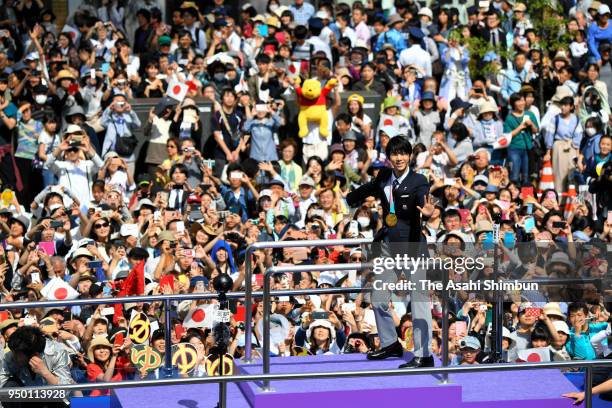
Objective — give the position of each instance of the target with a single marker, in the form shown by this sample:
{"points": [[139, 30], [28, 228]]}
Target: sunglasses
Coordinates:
{"points": [[103, 225]]}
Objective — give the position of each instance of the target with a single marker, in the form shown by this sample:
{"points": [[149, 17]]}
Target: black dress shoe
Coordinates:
{"points": [[418, 362], [393, 350]]}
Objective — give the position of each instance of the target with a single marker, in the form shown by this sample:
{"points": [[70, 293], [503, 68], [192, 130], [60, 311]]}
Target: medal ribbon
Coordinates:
{"points": [[391, 202]]}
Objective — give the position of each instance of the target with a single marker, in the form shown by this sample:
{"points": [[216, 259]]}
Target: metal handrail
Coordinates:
{"points": [[167, 300], [267, 306], [160, 298], [588, 364], [248, 274]]}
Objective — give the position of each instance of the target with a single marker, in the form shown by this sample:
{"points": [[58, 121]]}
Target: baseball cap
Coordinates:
{"points": [[603, 9], [470, 342], [561, 326], [307, 181], [480, 179]]}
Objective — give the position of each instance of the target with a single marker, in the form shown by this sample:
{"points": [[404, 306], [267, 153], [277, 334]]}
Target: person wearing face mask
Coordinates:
{"points": [[589, 146], [219, 78], [366, 222], [40, 108]]}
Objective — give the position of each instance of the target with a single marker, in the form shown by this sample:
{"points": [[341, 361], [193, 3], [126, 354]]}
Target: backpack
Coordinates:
{"points": [[557, 125]]}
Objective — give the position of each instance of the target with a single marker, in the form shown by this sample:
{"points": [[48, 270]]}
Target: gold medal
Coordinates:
{"points": [[391, 220]]}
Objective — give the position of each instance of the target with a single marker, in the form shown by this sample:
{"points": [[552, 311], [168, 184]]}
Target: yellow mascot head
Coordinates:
{"points": [[311, 89]]}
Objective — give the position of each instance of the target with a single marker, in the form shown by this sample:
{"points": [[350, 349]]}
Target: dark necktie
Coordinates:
{"points": [[177, 201], [394, 187]]}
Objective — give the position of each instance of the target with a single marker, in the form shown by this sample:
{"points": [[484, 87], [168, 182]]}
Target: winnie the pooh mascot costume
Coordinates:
{"points": [[311, 100]]}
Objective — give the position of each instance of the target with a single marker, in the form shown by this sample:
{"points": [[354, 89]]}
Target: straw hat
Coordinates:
{"points": [[520, 7], [95, 343], [553, 309], [488, 106], [65, 74]]}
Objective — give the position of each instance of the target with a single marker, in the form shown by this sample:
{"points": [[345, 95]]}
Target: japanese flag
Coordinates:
{"points": [[502, 142], [534, 355], [58, 289], [294, 69], [177, 90], [201, 316]]}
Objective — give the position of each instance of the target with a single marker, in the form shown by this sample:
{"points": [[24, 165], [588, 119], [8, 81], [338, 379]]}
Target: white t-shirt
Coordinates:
{"points": [[366, 121], [49, 141]]}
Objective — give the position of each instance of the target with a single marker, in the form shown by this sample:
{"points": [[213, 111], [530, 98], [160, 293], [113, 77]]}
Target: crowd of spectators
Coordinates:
{"points": [[102, 197]]}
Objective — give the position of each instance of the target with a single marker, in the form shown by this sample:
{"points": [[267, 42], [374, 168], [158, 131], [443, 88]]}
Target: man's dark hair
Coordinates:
{"points": [[369, 64], [228, 90], [451, 212], [262, 58], [233, 167], [191, 11], [344, 117], [378, 19], [345, 41], [156, 14], [181, 168], [343, 16], [300, 32], [572, 308], [325, 62], [27, 340], [145, 13], [398, 145], [281, 219]]}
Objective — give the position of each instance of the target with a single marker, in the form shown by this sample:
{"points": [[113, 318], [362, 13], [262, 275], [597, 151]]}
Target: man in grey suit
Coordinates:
{"points": [[404, 197]]}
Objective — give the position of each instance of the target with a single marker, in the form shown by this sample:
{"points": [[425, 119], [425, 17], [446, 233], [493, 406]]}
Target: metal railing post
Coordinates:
{"points": [[588, 387], [445, 310], [248, 276], [267, 307], [168, 337], [248, 304], [266, 329], [222, 392]]}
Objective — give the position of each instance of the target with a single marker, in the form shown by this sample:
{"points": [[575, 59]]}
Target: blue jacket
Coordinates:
{"points": [[579, 347], [393, 37], [596, 35]]}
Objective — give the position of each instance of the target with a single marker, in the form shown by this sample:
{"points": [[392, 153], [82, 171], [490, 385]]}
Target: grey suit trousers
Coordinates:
{"points": [[419, 305]]}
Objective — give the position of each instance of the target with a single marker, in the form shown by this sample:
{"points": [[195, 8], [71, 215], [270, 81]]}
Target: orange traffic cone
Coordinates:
{"points": [[570, 199], [547, 179]]}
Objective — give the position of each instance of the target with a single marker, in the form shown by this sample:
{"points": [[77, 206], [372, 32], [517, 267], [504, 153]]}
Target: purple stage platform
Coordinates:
{"points": [[525, 389]]}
